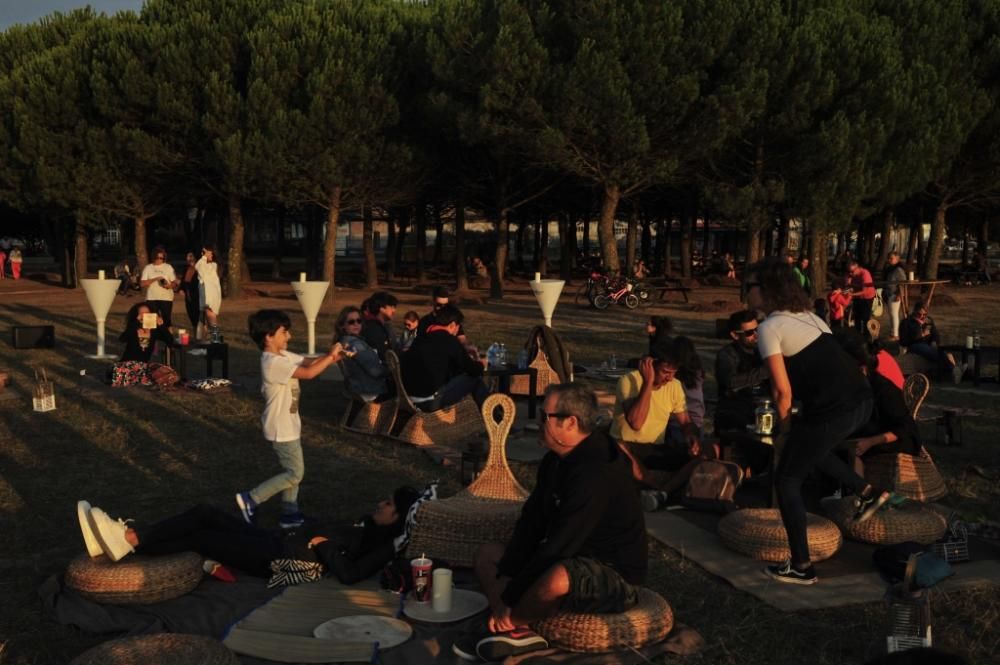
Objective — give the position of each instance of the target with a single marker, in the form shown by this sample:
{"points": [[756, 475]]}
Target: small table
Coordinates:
{"points": [[904, 293], [504, 372], [977, 355], [213, 351]]}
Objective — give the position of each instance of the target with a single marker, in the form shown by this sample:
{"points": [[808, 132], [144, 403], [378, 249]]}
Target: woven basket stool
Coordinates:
{"points": [[159, 649], [910, 521], [760, 534], [484, 512], [136, 580], [913, 476], [649, 622]]}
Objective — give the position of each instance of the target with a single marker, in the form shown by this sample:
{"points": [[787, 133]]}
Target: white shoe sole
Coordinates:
{"points": [[90, 540]]}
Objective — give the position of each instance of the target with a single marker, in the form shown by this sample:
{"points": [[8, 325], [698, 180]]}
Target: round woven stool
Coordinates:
{"points": [[910, 521], [160, 649], [649, 622], [760, 534], [136, 580]]}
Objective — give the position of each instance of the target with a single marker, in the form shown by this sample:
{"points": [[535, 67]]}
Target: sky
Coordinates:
{"points": [[28, 11]]}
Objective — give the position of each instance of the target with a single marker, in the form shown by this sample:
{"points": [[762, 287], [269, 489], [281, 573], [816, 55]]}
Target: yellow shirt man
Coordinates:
{"points": [[664, 400]]}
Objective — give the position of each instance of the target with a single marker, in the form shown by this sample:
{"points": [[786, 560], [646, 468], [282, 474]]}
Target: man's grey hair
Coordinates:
{"points": [[575, 399]]}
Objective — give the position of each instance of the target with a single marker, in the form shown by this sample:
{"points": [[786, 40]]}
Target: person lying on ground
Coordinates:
{"points": [[349, 551], [580, 542]]}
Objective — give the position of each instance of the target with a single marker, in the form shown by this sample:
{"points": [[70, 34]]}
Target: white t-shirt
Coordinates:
{"points": [[152, 271], [788, 333], [280, 419]]}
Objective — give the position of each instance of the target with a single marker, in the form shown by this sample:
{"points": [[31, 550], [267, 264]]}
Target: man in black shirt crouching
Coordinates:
{"points": [[580, 542]]}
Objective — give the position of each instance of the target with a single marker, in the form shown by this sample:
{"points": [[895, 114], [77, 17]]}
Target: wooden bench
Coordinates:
{"points": [[662, 291]]}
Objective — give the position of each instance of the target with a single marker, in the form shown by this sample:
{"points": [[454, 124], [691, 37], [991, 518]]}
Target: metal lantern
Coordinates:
{"points": [[909, 613]]}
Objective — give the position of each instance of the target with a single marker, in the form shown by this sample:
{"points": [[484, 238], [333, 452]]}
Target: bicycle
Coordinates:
{"points": [[620, 293], [597, 283]]}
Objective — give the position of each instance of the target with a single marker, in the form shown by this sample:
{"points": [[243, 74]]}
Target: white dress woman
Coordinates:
{"points": [[210, 289]]}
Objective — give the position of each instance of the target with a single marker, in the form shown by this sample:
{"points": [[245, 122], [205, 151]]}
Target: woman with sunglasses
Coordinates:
{"points": [[366, 376], [160, 282], [806, 364]]}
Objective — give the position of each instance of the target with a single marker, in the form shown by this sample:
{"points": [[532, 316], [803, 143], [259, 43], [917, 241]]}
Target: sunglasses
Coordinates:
{"points": [[351, 321], [557, 414], [747, 333]]}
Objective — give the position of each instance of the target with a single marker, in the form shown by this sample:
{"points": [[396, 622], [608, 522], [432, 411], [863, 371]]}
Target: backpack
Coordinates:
{"points": [[163, 376], [712, 486]]}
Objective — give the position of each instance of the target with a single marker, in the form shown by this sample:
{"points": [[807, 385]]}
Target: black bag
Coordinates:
{"points": [[891, 561], [712, 486]]}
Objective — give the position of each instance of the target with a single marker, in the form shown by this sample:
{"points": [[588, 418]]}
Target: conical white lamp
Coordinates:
{"points": [[310, 295], [547, 293], [100, 294]]}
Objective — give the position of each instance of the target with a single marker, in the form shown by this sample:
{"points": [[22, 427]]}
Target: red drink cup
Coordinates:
{"points": [[421, 568]]}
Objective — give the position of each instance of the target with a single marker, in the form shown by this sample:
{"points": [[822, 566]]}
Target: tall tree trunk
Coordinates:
{"points": [[755, 249], [936, 241], [368, 245], [330, 242], [818, 258], [80, 251], [404, 224], [630, 240], [279, 245], [141, 253], [687, 243], [606, 229], [783, 233], [438, 235], [66, 239], [543, 256], [888, 225], [658, 247], [586, 235], [668, 266], [234, 260], [500, 257], [567, 228], [461, 273], [646, 238], [391, 242], [965, 244], [421, 247], [911, 244]]}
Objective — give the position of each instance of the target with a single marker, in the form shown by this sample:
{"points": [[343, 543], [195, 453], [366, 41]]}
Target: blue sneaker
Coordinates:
{"points": [[248, 507], [292, 520]]}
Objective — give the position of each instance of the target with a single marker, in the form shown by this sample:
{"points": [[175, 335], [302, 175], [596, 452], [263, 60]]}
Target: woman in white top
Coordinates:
{"points": [[210, 289], [807, 364]]}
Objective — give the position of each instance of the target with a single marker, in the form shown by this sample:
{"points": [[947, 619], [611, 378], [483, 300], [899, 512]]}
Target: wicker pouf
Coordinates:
{"points": [[452, 529], [910, 521], [161, 649], [913, 476], [135, 580], [649, 622], [760, 534]]}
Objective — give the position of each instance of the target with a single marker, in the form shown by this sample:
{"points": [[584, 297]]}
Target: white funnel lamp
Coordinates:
{"points": [[547, 293], [310, 295], [100, 294]]}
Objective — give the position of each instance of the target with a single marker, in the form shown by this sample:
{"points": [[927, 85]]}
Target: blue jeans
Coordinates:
{"points": [[810, 445], [286, 482], [456, 389]]}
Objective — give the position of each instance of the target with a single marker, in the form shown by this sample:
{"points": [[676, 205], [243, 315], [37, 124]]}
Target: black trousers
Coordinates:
{"points": [[214, 534], [162, 307]]}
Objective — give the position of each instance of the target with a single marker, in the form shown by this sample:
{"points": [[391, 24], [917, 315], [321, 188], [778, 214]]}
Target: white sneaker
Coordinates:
{"points": [[111, 534], [89, 539]]}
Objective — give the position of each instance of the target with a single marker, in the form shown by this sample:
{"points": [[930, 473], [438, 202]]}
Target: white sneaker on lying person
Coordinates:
{"points": [[89, 539], [111, 534]]}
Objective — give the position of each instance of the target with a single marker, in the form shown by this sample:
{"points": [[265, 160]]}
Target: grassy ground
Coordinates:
{"points": [[145, 454]]}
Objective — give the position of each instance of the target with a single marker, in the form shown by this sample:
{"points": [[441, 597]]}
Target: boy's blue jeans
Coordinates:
{"points": [[287, 482]]}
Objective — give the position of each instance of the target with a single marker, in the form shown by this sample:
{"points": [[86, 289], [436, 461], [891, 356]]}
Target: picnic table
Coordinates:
{"points": [[904, 292]]}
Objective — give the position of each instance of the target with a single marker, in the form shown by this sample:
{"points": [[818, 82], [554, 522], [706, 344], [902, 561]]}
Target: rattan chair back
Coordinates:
{"points": [[367, 417], [496, 481], [405, 403], [915, 389], [915, 477]]}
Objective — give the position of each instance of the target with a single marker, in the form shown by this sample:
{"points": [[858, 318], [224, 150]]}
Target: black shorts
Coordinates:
{"points": [[667, 456], [595, 588]]}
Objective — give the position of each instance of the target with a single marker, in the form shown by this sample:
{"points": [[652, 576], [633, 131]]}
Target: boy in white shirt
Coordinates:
{"points": [[280, 372]]}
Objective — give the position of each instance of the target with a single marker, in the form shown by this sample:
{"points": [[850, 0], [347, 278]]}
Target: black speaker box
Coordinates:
{"points": [[33, 337]]}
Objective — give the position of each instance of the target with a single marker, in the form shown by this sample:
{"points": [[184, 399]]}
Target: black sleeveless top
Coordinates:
{"points": [[825, 379]]}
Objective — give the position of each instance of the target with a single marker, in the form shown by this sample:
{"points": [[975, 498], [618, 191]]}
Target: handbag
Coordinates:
{"points": [[712, 486], [877, 306], [163, 376]]}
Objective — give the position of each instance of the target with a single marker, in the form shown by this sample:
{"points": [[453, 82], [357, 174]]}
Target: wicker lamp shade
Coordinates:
{"points": [[450, 425], [160, 649], [910, 521], [649, 622], [760, 534], [136, 580], [912, 476], [484, 512]]}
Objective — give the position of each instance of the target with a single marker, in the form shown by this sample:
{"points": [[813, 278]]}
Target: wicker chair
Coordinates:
{"points": [[452, 529], [367, 417], [915, 389], [137, 580], [912, 476], [520, 384], [649, 622], [449, 426]]}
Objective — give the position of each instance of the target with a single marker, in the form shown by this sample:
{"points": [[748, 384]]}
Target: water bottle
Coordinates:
{"points": [[613, 361], [975, 339], [764, 418], [503, 354], [491, 354], [522, 359]]}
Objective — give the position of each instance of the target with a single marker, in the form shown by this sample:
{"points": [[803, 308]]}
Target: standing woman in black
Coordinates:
{"points": [[189, 285], [807, 364]]}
